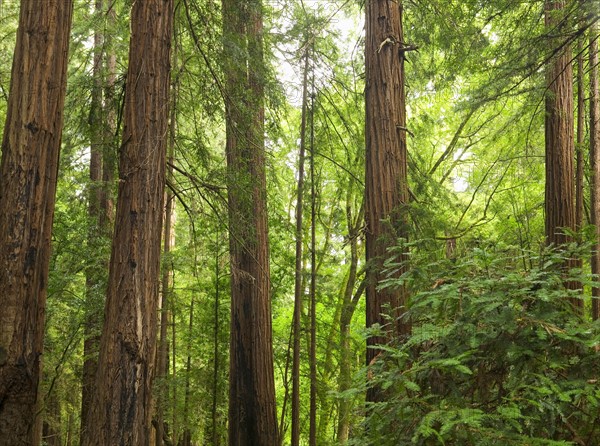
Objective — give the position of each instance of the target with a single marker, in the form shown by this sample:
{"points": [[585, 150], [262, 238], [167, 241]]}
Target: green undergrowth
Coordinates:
{"points": [[498, 356]]}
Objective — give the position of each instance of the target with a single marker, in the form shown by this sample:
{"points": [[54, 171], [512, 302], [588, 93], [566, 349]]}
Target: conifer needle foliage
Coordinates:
{"points": [[498, 357]]}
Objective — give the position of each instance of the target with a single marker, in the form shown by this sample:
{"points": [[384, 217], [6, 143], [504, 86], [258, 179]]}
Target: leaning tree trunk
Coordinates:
{"points": [[595, 164], [122, 404], [28, 175], [252, 417], [386, 188]]}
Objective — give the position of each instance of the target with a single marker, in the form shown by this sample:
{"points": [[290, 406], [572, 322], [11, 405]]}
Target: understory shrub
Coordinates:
{"points": [[498, 356]]}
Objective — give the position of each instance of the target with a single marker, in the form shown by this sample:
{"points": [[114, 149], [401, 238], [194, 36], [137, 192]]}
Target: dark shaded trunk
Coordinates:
{"points": [[252, 418], [386, 188], [122, 405], [28, 175], [595, 164]]}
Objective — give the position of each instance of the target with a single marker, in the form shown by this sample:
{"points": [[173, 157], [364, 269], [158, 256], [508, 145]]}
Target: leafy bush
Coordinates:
{"points": [[497, 356]]}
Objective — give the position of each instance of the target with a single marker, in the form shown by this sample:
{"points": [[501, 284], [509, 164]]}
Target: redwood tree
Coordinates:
{"points": [[100, 207], [386, 188], [559, 125], [28, 174], [252, 417], [122, 404]]}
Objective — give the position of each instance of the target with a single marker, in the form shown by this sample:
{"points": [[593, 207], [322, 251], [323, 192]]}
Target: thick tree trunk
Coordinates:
{"points": [[560, 199], [28, 175], [595, 164], [252, 418], [122, 405], [560, 188], [386, 189]]}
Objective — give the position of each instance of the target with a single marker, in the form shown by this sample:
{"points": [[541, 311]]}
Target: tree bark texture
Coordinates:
{"points": [[28, 175], [559, 129], [595, 164], [252, 417], [100, 209], [122, 404], [386, 189]]}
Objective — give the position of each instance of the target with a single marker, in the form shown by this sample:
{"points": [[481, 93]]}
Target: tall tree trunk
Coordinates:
{"points": [[595, 164], [312, 436], [214, 433], [252, 418], [163, 345], [122, 405], [28, 175], [349, 303], [167, 272], [560, 199], [579, 166], [386, 188], [298, 288], [186, 438], [100, 213]]}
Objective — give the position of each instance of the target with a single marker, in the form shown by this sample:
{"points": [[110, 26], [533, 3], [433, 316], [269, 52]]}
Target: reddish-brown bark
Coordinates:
{"points": [[28, 175], [252, 417], [122, 405], [386, 165]]}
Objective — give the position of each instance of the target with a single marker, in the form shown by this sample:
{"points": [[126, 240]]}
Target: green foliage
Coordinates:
{"points": [[498, 356]]}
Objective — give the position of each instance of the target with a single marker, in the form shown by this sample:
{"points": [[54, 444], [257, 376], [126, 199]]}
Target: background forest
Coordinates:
{"points": [[489, 334]]}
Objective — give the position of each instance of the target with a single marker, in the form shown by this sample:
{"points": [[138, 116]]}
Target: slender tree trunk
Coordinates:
{"points": [[69, 439], [51, 435], [163, 345], [312, 437], [216, 347], [579, 168], [595, 164], [252, 417], [122, 405], [298, 291], [186, 438], [28, 175], [167, 272], [560, 200], [349, 303], [175, 418], [386, 189]]}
